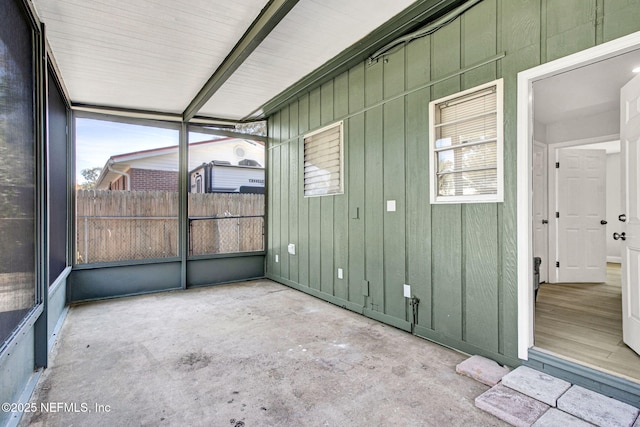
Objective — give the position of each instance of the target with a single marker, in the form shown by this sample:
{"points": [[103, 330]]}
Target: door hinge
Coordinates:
{"points": [[557, 165], [557, 263], [557, 214]]}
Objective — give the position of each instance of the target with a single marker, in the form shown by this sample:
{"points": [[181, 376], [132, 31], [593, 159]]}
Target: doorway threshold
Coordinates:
{"points": [[600, 380]]}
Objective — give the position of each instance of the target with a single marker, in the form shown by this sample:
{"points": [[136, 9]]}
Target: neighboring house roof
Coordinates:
{"points": [[166, 158]]}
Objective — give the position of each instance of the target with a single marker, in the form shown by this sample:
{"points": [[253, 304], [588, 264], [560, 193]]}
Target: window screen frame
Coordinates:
{"points": [[435, 198], [340, 126]]}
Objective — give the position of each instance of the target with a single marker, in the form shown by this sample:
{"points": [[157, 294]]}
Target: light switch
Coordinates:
{"points": [[391, 205], [276, 258], [291, 249], [407, 291], [339, 273]]}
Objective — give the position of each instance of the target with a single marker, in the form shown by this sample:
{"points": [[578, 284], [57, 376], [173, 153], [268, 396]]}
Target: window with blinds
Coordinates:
{"points": [[323, 161], [466, 146]]}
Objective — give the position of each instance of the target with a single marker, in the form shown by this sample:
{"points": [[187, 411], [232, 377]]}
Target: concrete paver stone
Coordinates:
{"points": [[510, 406], [554, 418], [536, 384], [482, 369], [597, 408]]}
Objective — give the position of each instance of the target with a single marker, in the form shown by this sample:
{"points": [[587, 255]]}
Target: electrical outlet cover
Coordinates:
{"points": [[391, 205], [340, 273], [407, 291]]}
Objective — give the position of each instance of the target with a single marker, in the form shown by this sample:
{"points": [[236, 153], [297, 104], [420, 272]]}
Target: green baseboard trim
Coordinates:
{"points": [[464, 347], [601, 382], [389, 320]]}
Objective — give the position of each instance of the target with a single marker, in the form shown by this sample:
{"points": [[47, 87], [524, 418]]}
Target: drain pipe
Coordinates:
{"points": [[424, 31], [126, 175]]}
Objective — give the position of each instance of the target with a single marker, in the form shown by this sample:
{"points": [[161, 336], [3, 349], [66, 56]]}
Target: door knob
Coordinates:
{"points": [[622, 217], [603, 222], [621, 236]]}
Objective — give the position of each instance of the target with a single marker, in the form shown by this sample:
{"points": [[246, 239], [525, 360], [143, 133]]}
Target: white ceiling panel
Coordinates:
{"points": [[311, 34], [143, 54], [586, 91]]}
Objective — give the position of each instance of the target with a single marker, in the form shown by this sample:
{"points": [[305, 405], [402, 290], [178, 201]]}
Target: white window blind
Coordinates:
{"points": [[323, 161], [466, 147]]}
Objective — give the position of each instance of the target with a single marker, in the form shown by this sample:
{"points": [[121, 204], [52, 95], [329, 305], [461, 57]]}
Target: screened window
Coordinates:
{"points": [[466, 146], [17, 178], [323, 174]]}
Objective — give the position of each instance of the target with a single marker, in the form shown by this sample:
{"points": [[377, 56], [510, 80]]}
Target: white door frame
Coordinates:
{"points": [[524, 167]]}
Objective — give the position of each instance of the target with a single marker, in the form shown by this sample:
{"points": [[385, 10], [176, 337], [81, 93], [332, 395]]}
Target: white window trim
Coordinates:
{"points": [[339, 124], [483, 198]]}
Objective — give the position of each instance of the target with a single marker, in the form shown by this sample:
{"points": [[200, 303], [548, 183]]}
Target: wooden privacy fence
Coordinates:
{"points": [[130, 225]]}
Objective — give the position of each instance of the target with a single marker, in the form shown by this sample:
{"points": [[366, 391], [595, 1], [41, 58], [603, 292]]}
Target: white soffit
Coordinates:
{"points": [[310, 35], [143, 54]]}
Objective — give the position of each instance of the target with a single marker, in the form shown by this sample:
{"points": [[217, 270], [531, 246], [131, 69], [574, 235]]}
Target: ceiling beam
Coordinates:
{"points": [[270, 16]]}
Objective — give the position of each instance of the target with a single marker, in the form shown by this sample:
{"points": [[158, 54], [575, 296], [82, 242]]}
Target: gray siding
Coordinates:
{"points": [[460, 260]]}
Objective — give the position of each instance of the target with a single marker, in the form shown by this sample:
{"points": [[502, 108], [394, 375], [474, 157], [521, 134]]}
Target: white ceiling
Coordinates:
{"points": [[156, 55], [587, 91]]}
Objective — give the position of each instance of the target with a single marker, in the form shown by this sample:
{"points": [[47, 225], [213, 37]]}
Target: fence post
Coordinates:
{"points": [[86, 240]]}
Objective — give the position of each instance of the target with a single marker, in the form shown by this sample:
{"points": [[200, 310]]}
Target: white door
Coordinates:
{"points": [[581, 211], [540, 210], [630, 227]]}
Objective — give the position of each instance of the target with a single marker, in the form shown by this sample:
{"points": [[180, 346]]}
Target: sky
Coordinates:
{"points": [[97, 140]]}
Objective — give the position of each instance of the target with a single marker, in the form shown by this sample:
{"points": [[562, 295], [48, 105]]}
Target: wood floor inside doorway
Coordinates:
{"points": [[583, 322]]}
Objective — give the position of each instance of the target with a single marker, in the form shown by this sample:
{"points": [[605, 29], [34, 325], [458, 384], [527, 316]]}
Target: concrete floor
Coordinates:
{"points": [[247, 354]]}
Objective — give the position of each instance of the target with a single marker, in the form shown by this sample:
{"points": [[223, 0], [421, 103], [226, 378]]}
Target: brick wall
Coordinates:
{"points": [[153, 180]]}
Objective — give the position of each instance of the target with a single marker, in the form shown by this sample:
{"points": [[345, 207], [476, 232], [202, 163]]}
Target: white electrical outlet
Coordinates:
{"points": [[291, 248], [407, 291], [391, 205], [277, 258], [340, 273]]}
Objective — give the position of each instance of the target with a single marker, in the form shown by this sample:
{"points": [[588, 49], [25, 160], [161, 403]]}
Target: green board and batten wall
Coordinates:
{"points": [[459, 259]]}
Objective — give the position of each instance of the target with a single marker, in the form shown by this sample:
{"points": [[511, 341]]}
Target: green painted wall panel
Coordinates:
{"points": [[481, 274], [460, 260], [326, 244], [418, 210], [355, 193], [418, 60], [570, 27], [445, 50], [446, 240], [302, 245], [314, 110], [341, 96], [356, 88], [374, 208], [303, 115], [284, 210], [479, 41], [373, 88], [315, 235], [394, 190], [393, 72], [507, 234], [341, 202], [294, 165], [520, 24], [620, 18], [271, 188], [326, 106], [276, 211]]}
